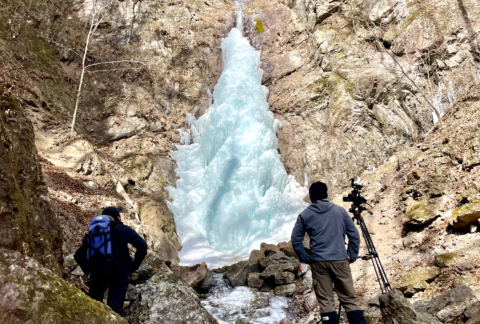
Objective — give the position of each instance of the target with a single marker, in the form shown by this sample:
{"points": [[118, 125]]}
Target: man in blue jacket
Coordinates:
{"points": [[117, 278], [326, 225]]}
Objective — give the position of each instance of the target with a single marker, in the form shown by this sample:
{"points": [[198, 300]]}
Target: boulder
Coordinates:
{"points": [[416, 276], [448, 306], [197, 274], [269, 249], [151, 265], [445, 260], [238, 272], [472, 310], [242, 321], [207, 283], [308, 279], [285, 290], [256, 255], [310, 302], [285, 321], [254, 281], [465, 215], [33, 294], [396, 309], [419, 214], [117, 128], [168, 299], [180, 271], [263, 263], [279, 263], [288, 250], [284, 278], [464, 265], [132, 293]]}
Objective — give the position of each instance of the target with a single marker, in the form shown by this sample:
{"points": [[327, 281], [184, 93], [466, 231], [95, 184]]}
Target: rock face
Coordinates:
{"points": [[168, 299], [28, 223], [33, 294]]}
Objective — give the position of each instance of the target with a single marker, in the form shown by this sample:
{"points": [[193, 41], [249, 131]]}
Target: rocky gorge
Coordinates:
{"points": [[385, 92]]}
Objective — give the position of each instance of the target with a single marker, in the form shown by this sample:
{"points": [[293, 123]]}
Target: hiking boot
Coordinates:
{"points": [[329, 318], [356, 317]]}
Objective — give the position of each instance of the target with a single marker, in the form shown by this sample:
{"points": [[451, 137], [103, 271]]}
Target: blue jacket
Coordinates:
{"points": [[326, 225], [131, 237]]}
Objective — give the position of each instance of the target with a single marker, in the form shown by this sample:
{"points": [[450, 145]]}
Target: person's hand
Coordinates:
{"points": [[349, 260]]}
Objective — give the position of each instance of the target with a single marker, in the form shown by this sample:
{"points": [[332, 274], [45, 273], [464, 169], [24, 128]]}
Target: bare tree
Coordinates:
{"points": [[98, 14]]}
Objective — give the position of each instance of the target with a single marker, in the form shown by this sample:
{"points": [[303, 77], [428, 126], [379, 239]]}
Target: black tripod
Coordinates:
{"points": [[357, 208]]}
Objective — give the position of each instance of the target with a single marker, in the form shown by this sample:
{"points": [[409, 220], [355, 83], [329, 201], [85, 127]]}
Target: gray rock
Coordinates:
{"points": [[285, 321], [197, 274], [279, 263], [238, 272], [254, 281], [118, 128], [132, 293], [207, 283], [472, 310], [269, 249], [285, 290], [426, 318], [168, 299], [242, 321], [308, 279], [151, 265], [310, 302], [464, 265], [396, 309], [375, 301], [284, 278]]}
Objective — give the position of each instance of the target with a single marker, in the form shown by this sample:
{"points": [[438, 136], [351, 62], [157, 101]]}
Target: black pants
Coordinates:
{"points": [[117, 284]]}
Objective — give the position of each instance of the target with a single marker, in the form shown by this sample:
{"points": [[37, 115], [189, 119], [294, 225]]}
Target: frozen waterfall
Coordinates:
{"points": [[233, 192]]}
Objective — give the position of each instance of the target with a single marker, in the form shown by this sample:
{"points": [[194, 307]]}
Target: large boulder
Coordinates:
{"points": [[450, 305], [417, 276], [419, 213], [121, 127], [254, 281], [150, 266], [279, 263], [396, 309], [238, 273], [197, 274], [168, 299], [465, 215], [31, 293], [28, 223]]}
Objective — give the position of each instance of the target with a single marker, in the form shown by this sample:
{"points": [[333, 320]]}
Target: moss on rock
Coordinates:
{"points": [[417, 275], [418, 214], [445, 260], [465, 215]]}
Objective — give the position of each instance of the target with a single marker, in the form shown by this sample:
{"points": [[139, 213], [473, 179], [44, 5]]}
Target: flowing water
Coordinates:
{"points": [[233, 192]]}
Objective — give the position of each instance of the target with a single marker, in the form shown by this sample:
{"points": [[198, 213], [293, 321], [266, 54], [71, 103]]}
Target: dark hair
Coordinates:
{"points": [[318, 191]]}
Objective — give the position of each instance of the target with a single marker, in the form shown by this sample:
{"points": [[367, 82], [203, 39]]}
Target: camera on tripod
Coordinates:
{"points": [[356, 198]]}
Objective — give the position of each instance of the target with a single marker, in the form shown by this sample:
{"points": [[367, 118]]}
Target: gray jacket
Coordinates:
{"points": [[326, 224]]}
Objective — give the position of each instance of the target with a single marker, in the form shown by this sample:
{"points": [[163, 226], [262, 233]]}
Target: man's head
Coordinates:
{"points": [[113, 211], [318, 190]]}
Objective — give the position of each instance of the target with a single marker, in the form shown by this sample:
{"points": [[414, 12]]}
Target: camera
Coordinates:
{"points": [[356, 198]]}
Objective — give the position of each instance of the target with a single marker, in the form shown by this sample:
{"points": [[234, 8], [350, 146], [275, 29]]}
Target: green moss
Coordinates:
{"points": [[465, 215], [259, 26], [445, 260], [418, 213]]}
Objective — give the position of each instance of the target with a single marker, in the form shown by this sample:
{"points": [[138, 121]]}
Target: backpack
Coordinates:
{"points": [[105, 244]]}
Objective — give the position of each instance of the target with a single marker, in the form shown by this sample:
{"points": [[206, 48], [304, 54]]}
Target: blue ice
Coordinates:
{"points": [[232, 191]]}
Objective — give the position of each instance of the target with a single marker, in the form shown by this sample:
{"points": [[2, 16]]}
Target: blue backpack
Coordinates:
{"points": [[105, 243]]}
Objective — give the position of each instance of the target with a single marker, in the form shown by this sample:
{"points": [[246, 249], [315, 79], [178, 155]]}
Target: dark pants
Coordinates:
{"points": [[327, 274], [117, 284]]}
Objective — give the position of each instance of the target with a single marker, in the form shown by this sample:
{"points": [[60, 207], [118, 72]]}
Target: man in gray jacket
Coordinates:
{"points": [[326, 225]]}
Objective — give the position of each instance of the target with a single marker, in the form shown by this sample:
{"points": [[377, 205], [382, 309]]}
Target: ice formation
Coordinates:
{"points": [[233, 192]]}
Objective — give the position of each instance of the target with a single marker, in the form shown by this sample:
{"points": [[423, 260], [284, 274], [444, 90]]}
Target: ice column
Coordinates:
{"points": [[233, 192]]}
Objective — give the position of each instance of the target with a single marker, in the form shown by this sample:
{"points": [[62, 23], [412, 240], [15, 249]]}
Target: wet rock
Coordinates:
{"points": [[396, 309], [310, 302], [284, 278], [254, 280], [150, 266], [465, 215], [168, 299], [416, 276], [285, 290], [238, 272], [33, 294], [445, 260], [279, 263], [197, 274], [464, 265]]}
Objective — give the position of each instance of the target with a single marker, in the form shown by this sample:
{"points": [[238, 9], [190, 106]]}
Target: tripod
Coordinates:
{"points": [[357, 208]]}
